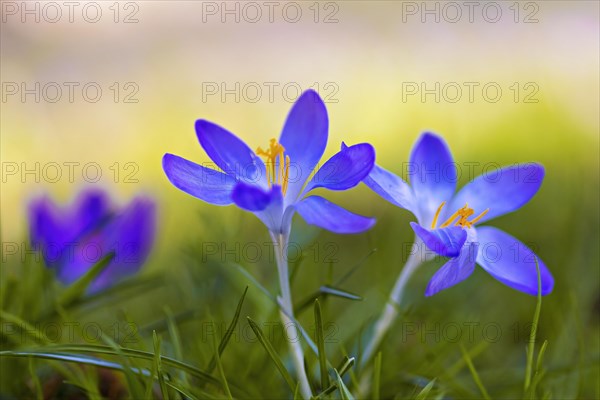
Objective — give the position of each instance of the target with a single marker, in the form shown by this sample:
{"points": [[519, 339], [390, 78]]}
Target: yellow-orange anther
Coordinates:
{"points": [[462, 214], [277, 164], [437, 214]]}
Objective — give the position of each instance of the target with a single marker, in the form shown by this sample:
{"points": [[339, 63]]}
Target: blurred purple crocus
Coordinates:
{"points": [[275, 188], [74, 238], [446, 220]]}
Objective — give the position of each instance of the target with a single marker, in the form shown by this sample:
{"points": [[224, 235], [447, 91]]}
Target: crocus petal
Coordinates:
{"points": [[130, 235], [391, 187], [204, 183], [230, 153], [83, 253], [304, 137], [42, 213], [47, 231], [432, 175], [511, 262], [250, 197], [502, 191], [455, 270], [266, 205], [446, 242], [345, 169], [92, 210], [317, 211], [273, 215], [52, 229]]}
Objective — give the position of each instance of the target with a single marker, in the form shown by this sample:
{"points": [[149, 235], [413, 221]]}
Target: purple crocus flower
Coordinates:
{"points": [[446, 220], [275, 188], [74, 238]]}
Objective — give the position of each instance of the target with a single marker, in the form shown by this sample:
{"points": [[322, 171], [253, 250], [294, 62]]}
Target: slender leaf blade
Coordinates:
{"points": [[425, 391], [320, 339], [272, 354], [228, 332], [533, 333], [217, 358], [158, 365], [377, 376], [474, 373], [344, 392], [326, 289], [78, 288]]}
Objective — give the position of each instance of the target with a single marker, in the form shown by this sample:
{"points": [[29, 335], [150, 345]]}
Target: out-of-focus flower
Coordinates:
{"points": [[275, 188], [75, 237], [446, 221]]}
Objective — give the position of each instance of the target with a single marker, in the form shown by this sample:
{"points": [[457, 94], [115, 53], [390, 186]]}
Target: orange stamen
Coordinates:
{"points": [[462, 214], [437, 214], [276, 174]]}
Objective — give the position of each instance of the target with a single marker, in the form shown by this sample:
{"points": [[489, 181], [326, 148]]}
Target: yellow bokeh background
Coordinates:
{"points": [[362, 56]]}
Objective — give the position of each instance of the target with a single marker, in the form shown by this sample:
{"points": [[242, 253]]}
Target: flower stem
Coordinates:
{"points": [[280, 242], [390, 312]]}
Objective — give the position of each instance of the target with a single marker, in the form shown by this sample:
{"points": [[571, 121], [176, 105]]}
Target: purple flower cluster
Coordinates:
{"points": [[74, 238]]}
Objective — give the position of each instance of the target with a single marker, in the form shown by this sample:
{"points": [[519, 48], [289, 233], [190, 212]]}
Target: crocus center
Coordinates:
{"points": [[462, 214], [277, 164]]}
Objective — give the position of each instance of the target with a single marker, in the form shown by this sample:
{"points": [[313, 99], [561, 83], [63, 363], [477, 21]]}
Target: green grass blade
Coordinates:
{"points": [[25, 326], [150, 383], [217, 358], [297, 395], [344, 294], [39, 394], [8, 286], [320, 339], [344, 367], [348, 363], [344, 392], [228, 332], [185, 394], [474, 373], [173, 333], [74, 358], [175, 339], [377, 376], [158, 366], [540, 358], [539, 372], [302, 305], [425, 391], [533, 333], [454, 369], [341, 365], [325, 291], [132, 353], [78, 288], [272, 354], [308, 372], [135, 385], [305, 335]]}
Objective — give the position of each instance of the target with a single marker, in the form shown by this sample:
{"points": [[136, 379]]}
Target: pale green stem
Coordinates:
{"points": [[280, 242], [390, 311]]}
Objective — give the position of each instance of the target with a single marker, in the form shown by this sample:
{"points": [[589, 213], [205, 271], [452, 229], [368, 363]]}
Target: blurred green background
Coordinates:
{"points": [[366, 59]]}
